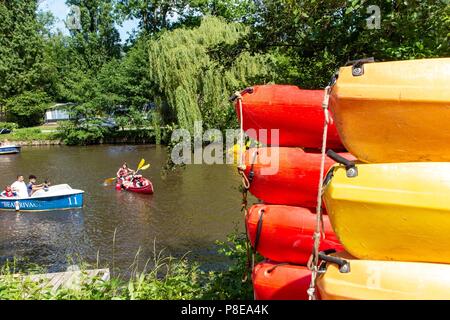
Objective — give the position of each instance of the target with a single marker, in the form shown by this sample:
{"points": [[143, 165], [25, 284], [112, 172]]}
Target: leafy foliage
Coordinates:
{"points": [[8, 125], [28, 108], [314, 38], [190, 55], [194, 86], [89, 133]]}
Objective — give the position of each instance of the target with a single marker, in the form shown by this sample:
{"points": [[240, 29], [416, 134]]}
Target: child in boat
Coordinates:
{"points": [[139, 181], [8, 192], [32, 186]]}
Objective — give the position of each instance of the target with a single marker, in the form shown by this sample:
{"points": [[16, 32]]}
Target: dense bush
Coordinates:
{"points": [[73, 134], [8, 125]]}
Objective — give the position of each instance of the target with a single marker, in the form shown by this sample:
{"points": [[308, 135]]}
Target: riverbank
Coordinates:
{"points": [[169, 278], [37, 136]]}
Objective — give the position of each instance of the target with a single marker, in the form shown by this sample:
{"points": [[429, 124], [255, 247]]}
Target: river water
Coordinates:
{"points": [[190, 210]]}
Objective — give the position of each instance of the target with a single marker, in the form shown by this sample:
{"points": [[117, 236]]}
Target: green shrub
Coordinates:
{"points": [[8, 125], [73, 134]]}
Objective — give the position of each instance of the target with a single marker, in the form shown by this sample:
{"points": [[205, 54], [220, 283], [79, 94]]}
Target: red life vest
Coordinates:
{"points": [[123, 172], [8, 194]]}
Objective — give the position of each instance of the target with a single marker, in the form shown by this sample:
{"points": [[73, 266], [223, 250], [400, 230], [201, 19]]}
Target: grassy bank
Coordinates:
{"points": [[69, 135], [168, 278], [32, 136]]}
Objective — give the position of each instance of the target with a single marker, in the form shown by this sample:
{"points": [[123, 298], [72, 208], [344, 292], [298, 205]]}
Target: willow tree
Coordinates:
{"points": [[192, 82]]}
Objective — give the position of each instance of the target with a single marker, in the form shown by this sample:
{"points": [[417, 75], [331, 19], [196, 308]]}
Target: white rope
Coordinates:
{"points": [[241, 138], [241, 165], [314, 260]]}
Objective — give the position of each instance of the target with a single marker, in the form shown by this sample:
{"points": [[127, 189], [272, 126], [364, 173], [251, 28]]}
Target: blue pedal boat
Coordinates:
{"points": [[58, 197], [9, 149]]}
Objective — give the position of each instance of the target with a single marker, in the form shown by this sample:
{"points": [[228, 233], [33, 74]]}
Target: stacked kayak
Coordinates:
{"points": [[385, 280], [280, 281], [392, 213], [295, 112], [394, 111], [285, 233], [282, 175], [388, 209], [285, 175]]}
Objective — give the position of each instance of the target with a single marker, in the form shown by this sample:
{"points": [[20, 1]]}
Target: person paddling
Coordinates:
{"points": [[124, 173], [20, 187]]}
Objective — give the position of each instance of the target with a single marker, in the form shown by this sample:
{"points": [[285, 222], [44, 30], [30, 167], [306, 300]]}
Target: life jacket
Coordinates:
{"points": [[123, 172], [8, 194]]}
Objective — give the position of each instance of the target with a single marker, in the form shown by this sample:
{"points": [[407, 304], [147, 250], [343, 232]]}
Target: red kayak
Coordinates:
{"points": [[286, 233], [275, 281], [146, 188], [288, 176], [297, 113]]}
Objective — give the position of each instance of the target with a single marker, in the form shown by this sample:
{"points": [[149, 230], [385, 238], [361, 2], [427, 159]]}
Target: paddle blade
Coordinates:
{"points": [[141, 164], [145, 167], [109, 180]]}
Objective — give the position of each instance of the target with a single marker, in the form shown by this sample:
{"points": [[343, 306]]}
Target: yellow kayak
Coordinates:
{"points": [[384, 280], [394, 111], [394, 211]]}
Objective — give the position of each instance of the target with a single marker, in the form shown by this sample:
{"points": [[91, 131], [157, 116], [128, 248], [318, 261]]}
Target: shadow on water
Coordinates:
{"points": [[190, 210]]}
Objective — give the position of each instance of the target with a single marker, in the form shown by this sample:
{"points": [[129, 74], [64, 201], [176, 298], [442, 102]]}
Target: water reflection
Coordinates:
{"points": [[43, 236]]}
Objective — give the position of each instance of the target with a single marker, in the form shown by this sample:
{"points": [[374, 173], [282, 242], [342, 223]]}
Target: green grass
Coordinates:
{"points": [[29, 134]]}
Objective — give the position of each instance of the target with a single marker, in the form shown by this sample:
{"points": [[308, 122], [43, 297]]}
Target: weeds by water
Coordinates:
{"points": [[168, 278]]}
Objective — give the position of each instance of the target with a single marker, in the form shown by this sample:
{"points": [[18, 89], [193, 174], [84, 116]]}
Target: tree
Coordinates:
{"points": [[315, 37], [153, 15], [27, 109], [191, 82], [98, 41], [23, 69]]}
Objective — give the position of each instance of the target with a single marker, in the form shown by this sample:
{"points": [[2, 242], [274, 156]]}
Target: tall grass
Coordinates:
{"points": [[168, 278]]}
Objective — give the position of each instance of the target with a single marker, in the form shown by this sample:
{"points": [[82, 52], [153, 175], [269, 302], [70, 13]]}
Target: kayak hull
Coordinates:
{"points": [[392, 211], [288, 176], [385, 280], [295, 112], [275, 281], [147, 189], [395, 112], [286, 233], [9, 149]]}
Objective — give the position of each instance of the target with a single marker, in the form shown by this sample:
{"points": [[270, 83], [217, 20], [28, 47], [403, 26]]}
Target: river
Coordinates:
{"points": [[190, 209]]}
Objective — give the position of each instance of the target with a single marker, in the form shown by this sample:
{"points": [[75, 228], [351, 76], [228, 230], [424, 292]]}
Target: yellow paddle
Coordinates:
{"points": [[141, 164], [144, 167], [109, 180]]}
